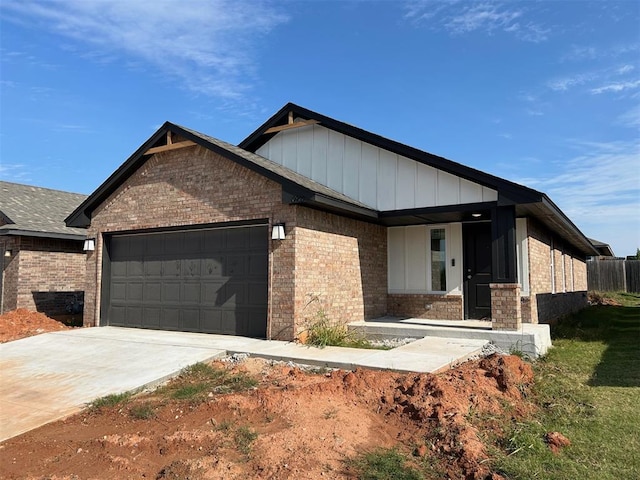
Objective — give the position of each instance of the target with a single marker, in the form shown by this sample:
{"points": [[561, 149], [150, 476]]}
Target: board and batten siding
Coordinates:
{"points": [[408, 263], [376, 177]]}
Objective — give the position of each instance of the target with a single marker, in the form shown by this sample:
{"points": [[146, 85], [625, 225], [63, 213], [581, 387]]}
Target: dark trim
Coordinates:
{"points": [[503, 245], [81, 216], [26, 233], [189, 228], [5, 219], [482, 207], [557, 213]]}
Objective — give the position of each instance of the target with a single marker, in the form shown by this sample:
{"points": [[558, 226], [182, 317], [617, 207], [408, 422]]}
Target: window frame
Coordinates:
{"points": [[425, 258]]}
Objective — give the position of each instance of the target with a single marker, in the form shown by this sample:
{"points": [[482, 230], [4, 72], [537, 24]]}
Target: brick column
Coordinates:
{"points": [[506, 313]]}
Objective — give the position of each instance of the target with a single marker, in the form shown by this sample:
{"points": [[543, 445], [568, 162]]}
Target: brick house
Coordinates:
{"points": [[308, 215], [43, 262]]}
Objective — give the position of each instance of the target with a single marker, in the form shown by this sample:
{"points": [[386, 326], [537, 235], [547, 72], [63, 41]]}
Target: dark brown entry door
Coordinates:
{"points": [[477, 270], [210, 281]]}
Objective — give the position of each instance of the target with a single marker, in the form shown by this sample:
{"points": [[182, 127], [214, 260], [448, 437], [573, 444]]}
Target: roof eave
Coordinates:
{"points": [[30, 233]]}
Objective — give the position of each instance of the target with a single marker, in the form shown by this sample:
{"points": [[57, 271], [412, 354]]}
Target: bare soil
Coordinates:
{"points": [[296, 424], [22, 323]]}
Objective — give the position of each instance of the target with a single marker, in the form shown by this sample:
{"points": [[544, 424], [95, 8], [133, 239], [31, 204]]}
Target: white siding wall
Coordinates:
{"points": [[376, 177], [408, 258], [522, 256]]}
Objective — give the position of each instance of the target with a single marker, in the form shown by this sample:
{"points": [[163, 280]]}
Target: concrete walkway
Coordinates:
{"points": [[50, 376]]}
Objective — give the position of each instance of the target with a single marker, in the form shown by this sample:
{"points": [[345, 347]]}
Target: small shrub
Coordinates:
{"points": [[142, 411], [244, 437], [324, 333], [109, 401]]}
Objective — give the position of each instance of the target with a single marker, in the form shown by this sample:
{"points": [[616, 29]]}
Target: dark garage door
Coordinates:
{"points": [[212, 281]]}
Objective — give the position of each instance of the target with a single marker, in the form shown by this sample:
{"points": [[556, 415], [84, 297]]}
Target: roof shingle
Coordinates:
{"points": [[27, 210]]}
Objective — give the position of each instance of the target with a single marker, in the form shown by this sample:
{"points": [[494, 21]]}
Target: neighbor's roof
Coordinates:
{"points": [[604, 249], [37, 212]]}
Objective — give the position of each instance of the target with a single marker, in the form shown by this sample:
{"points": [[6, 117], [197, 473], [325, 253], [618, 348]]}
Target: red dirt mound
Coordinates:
{"points": [[22, 323], [294, 425]]}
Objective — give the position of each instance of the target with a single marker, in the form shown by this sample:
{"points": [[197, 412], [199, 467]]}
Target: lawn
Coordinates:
{"points": [[588, 389]]}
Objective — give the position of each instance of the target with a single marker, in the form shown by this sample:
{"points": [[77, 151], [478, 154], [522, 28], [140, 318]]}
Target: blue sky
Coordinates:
{"points": [[542, 93]]}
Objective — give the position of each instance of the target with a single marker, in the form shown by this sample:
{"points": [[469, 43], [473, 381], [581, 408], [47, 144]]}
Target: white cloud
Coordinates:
{"points": [[563, 84], [460, 18], [206, 44], [630, 118], [616, 87], [599, 189]]}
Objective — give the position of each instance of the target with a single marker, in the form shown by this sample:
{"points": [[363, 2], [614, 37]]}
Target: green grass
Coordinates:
{"points": [[244, 437], [196, 382], [383, 464], [142, 411], [588, 389], [109, 401]]}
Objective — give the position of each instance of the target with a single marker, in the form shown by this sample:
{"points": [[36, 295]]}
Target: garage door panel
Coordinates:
{"points": [[134, 292], [236, 265], [152, 267], [191, 267], [211, 320], [238, 239], [210, 291], [171, 268], [118, 291], [171, 292], [170, 318], [257, 294], [135, 268], [191, 293], [258, 264], [118, 269], [212, 267], [151, 317], [117, 315], [206, 281], [191, 319], [152, 292]]}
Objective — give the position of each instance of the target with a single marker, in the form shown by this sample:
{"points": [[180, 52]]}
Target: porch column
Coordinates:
{"points": [[503, 244], [506, 310]]}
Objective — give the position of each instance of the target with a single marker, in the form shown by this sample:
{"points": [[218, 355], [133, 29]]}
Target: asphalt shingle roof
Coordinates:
{"points": [[37, 210], [278, 169]]}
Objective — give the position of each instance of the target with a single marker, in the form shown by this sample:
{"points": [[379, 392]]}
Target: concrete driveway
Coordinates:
{"points": [[50, 376]]}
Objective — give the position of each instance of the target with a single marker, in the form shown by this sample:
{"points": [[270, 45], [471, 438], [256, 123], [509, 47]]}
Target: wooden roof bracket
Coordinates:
{"points": [[291, 124], [169, 145]]}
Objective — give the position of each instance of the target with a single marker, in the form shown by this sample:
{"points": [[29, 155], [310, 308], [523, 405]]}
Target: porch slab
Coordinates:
{"points": [[533, 340]]}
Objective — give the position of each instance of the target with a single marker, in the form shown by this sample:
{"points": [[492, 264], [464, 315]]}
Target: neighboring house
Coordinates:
{"points": [[43, 263], [604, 249], [313, 217]]}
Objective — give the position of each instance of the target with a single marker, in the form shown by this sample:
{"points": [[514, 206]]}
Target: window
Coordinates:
{"points": [[417, 259], [438, 260]]}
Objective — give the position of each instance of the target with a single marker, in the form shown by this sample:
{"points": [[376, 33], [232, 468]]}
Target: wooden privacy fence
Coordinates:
{"points": [[613, 275]]}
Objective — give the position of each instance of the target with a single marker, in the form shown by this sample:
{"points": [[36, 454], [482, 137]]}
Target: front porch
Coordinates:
{"points": [[532, 340]]}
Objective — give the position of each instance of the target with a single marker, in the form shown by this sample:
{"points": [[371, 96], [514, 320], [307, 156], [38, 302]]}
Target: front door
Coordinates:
{"points": [[477, 270]]}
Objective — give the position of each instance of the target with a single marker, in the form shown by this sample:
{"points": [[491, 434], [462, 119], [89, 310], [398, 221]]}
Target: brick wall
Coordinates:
{"points": [[443, 307], [544, 305], [192, 186], [44, 274], [505, 306], [340, 268]]}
